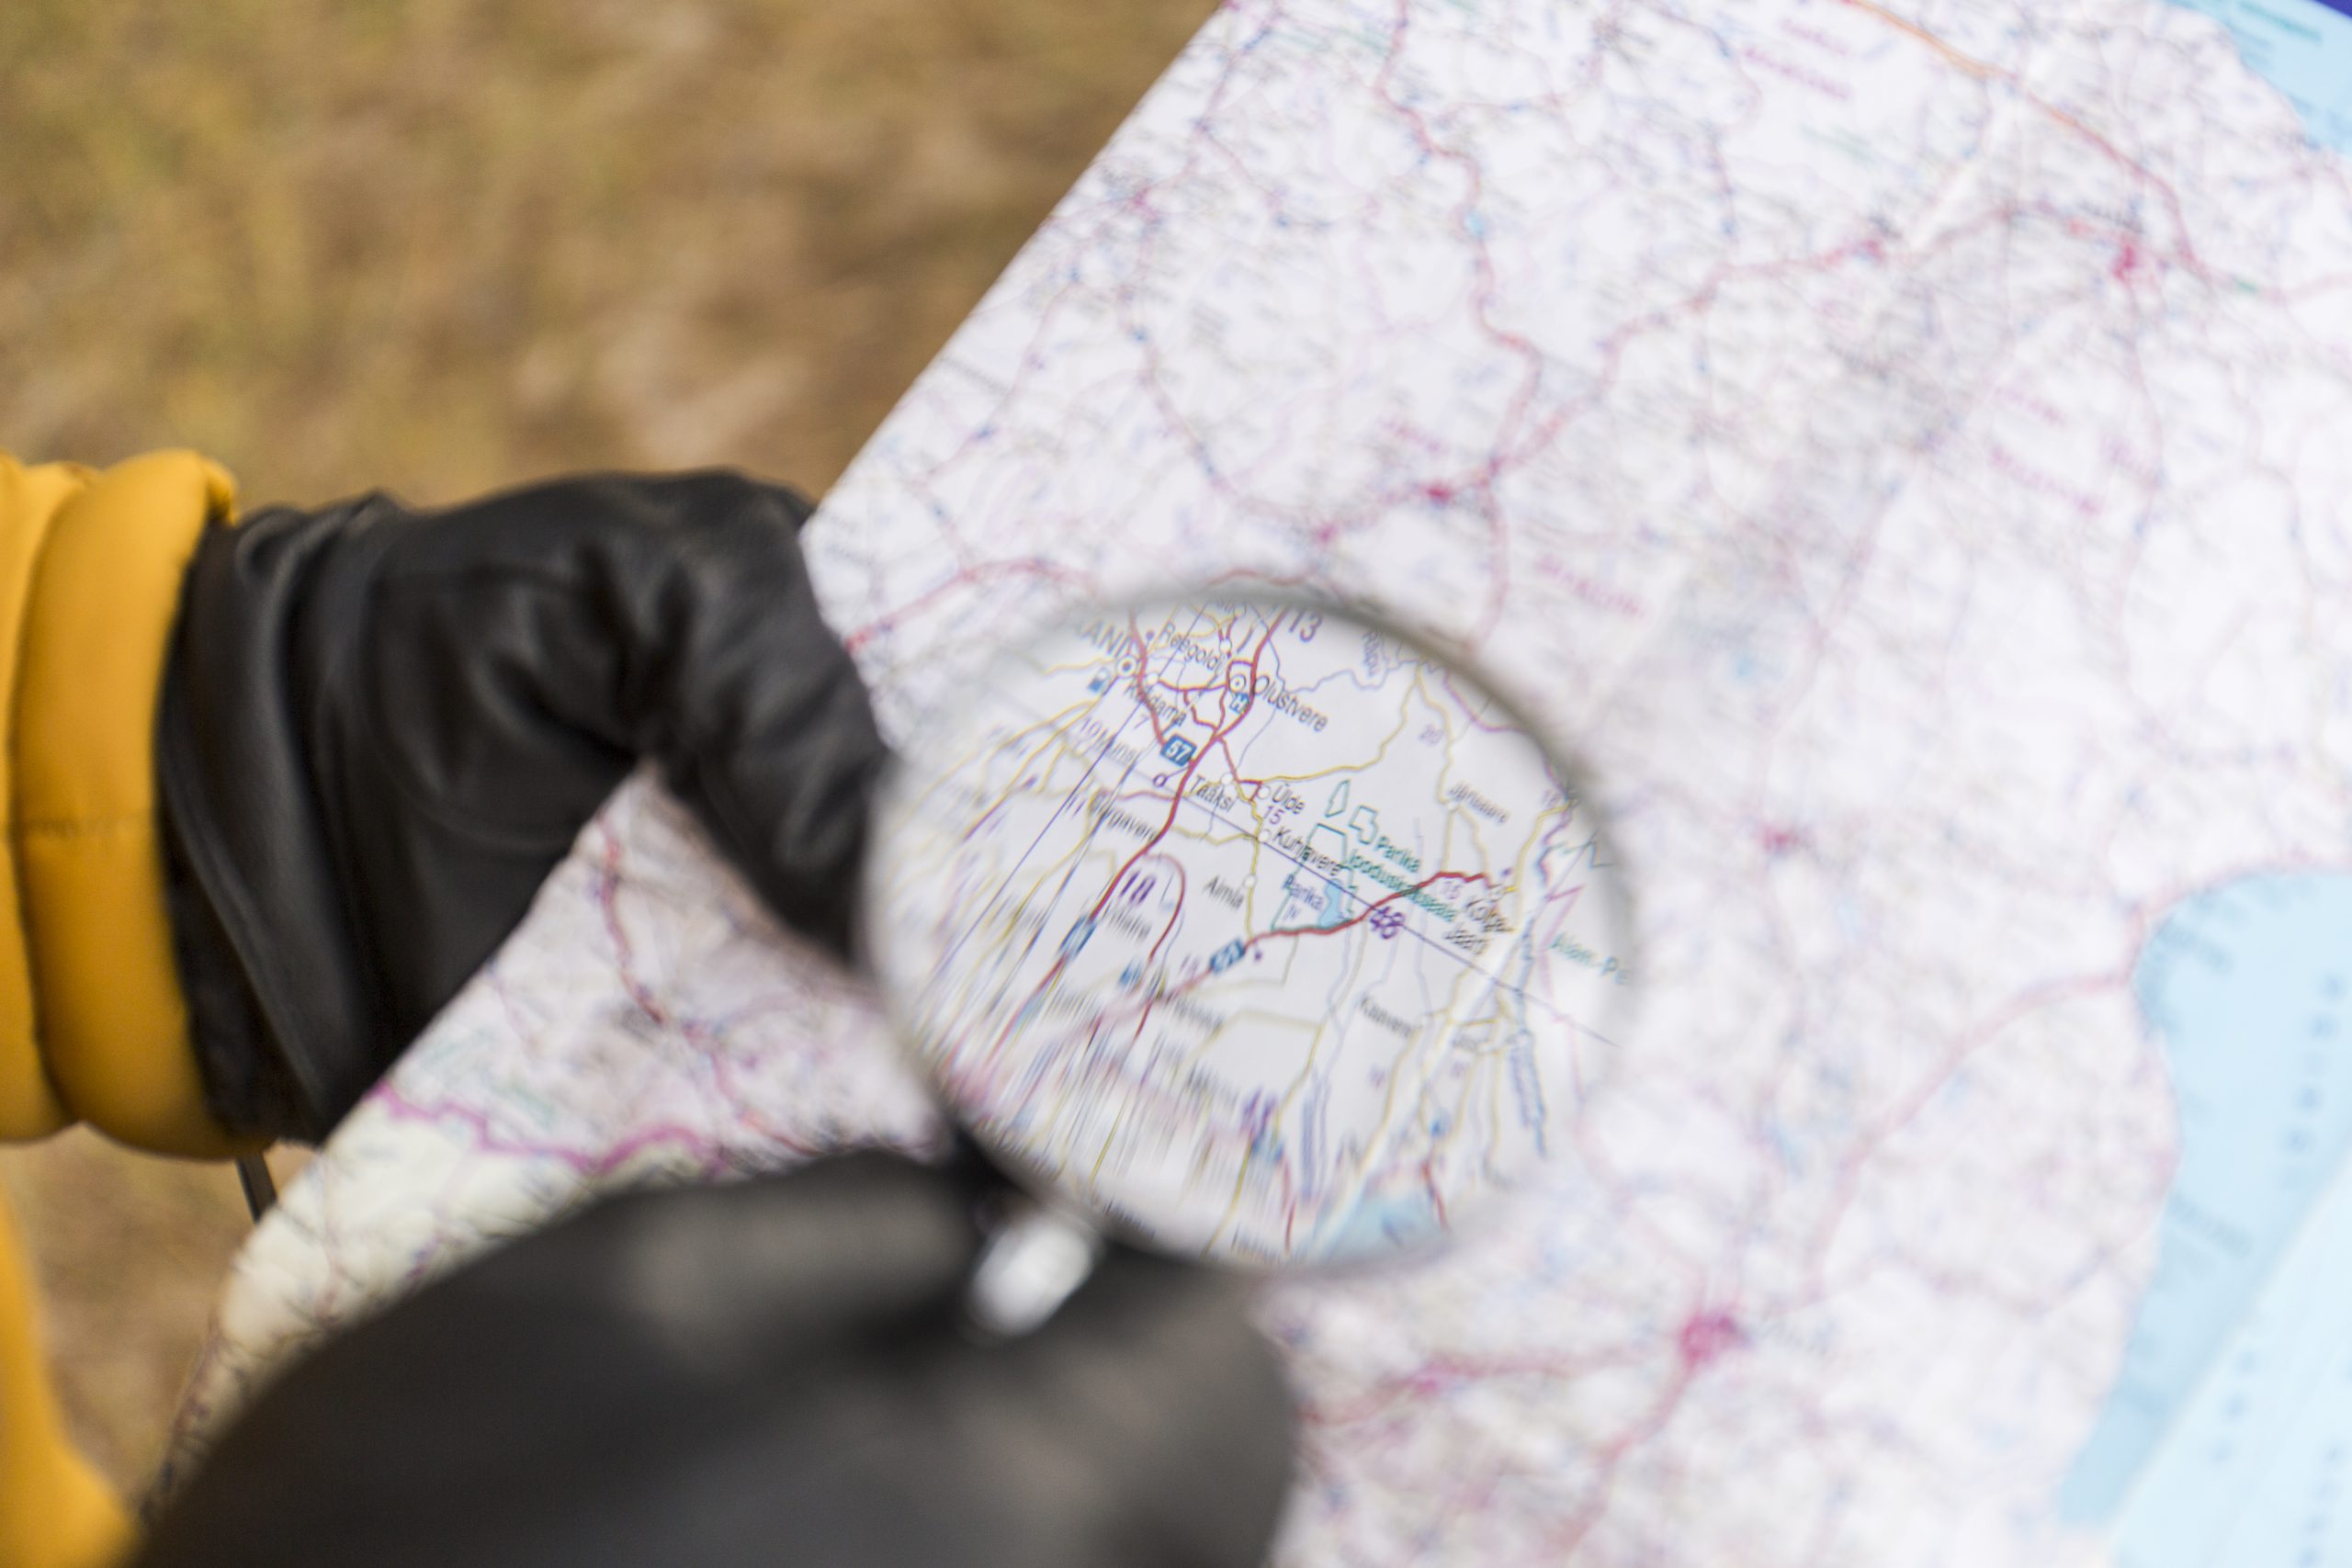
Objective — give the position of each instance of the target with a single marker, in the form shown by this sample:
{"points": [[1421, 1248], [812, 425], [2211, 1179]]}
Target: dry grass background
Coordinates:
{"points": [[439, 246]]}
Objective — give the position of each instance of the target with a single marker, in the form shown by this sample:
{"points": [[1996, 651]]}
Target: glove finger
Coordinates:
{"points": [[758, 1276], [1146, 1426], [1153, 1386], [1147, 1423]]}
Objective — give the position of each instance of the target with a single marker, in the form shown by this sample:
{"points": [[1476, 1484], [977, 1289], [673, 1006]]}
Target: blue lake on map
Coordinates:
{"points": [[2304, 48], [2226, 1436]]}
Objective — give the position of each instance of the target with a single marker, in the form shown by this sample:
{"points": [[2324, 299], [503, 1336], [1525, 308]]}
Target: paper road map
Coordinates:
{"points": [[1907, 448]]}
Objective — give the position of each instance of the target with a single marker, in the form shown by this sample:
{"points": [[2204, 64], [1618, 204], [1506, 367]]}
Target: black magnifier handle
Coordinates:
{"points": [[260, 1187]]}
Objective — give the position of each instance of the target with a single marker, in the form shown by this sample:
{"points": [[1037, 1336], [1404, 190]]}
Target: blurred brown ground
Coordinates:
{"points": [[437, 247]]}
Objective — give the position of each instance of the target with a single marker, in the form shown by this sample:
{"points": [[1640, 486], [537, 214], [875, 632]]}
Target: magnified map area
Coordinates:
{"points": [[1264, 933]]}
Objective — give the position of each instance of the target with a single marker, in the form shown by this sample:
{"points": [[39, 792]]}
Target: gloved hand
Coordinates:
{"points": [[381, 728], [767, 1373], [277, 790]]}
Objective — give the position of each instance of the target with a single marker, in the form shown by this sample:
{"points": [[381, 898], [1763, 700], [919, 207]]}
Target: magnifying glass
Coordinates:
{"points": [[1246, 928]]}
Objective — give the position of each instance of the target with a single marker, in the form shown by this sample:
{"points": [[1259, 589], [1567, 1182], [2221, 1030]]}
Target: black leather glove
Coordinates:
{"points": [[769, 1373], [381, 728]]}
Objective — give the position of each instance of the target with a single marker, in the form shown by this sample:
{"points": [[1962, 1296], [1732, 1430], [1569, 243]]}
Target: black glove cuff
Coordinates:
{"points": [[248, 1086]]}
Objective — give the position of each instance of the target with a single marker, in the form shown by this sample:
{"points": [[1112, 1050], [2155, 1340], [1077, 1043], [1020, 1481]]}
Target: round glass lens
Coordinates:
{"points": [[1260, 933]]}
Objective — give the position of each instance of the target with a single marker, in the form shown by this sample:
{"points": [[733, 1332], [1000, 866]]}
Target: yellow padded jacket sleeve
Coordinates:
{"points": [[30, 500], [54, 1511], [93, 1026]]}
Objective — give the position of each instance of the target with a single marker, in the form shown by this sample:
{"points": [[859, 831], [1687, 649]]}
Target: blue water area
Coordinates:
{"points": [[1378, 1225], [1318, 902], [2304, 48], [2254, 1470], [2225, 1389]]}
